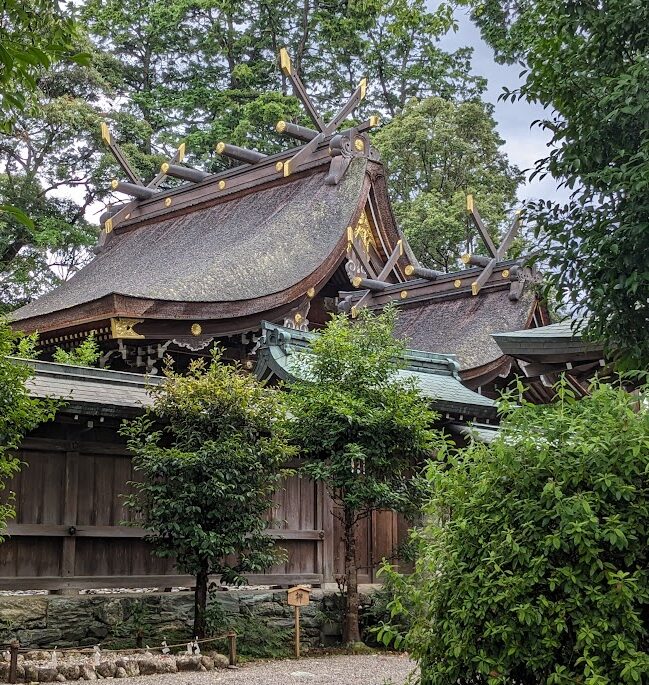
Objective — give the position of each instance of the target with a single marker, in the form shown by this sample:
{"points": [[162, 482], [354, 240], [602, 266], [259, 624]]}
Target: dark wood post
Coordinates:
{"points": [[232, 648], [13, 663]]}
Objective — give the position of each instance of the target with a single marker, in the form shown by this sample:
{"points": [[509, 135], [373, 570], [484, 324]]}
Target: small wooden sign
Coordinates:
{"points": [[298, 596]]}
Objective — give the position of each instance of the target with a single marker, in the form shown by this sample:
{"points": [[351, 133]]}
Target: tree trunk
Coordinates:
{"points": [[200, 602], [352, 632]]}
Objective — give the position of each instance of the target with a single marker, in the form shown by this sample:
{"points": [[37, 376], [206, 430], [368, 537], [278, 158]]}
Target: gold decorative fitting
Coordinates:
{"points": [[400, 246], [285, 62], [354, 312], [363, 86], [220, 147], [221, 185], [164, 167], [108, 225], [105, 133], [181, 152], [409, 270], [310, 293], [356, 281], [114, 183], [196, 329], [505, 273], [364, 232], [128, 216], [466, 258], [125, 328], [287, 168], [280, 126], [279, 166], [298, 318], [167, 202], [403, 294], [457, 282], [375, 120], [475, 288], [469, 203], [359, 144]]}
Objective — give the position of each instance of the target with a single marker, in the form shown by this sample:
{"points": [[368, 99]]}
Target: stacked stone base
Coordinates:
{"points": [[39, 667]]}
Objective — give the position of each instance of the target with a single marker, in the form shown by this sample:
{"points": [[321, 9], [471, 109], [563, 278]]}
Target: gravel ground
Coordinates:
{"points": [[375, 669]]}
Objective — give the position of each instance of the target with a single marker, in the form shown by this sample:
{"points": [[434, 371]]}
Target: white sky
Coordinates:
{"points": [[523, 145]]}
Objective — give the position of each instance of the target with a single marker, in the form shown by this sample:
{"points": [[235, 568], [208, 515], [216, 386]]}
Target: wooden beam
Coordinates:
{"points": [[163, 581], [64, 531], [298, 88], [120, 158], [482, 229], [241, 154], [183, 172], [135, 190]]}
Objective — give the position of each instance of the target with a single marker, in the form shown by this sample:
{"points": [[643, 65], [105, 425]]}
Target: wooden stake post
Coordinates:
{"points": [[298, 596]]}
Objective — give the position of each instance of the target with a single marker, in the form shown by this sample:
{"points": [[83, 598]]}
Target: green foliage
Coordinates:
{"points": [[361, 427], [534, 567], [589, 66], [359, 424], [19, 413], [260, 639], [209, 454], [33, 34], [85, 354], [437, 152], [207, 71]]}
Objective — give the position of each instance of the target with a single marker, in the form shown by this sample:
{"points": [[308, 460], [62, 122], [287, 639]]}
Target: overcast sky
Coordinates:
{"points": [[523, 145]]}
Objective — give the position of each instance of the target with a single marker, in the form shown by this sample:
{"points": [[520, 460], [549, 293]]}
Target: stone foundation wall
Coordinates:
{"points": [[116, 620]]}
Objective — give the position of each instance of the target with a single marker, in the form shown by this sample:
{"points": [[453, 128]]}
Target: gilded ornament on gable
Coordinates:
{"points": [[125, 328], [363, 231]]}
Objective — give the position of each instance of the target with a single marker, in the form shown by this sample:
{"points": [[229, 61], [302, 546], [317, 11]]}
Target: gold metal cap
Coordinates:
{"points": [[457, 282], [280, 126], [310, 293], [105, 133], [164, 167], [375, 120], [285, 61], [475, 288], [403, 294], [279, 166], [466, 258], [356, 281], [409, 270], [469, 203], [220, 147], [196, 329], [114, 183], [363, 87], [167, 202], [221, 185], [181, 152]]}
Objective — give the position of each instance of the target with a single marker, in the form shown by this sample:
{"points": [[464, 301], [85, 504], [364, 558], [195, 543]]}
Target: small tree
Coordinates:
{"points": [[533, 569], [19, 413], [361, 427], [209, 450]]}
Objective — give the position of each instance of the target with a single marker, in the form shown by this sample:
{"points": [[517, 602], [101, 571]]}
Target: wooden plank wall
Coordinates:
{"points": [[68, 499]]}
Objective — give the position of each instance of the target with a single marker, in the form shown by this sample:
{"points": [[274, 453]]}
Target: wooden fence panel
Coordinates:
{"points": [[69, 506]]}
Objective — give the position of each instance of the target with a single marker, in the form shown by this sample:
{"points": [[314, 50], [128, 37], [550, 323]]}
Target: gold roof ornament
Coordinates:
{"points": [[363, 231], [125, 328], [196, 329]]}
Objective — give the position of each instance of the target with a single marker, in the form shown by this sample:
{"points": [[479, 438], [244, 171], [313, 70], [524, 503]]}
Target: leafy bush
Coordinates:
{"points": [[534, 565], [85, 354]]}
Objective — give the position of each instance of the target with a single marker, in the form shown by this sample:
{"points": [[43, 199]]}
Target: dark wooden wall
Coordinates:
{"points": [[68, 534]]}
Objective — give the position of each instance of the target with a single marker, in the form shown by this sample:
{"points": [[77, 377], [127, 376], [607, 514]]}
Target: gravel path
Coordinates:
{"points": [[374, 669]]}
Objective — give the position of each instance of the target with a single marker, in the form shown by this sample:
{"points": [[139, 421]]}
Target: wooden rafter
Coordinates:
{"points": [[497, 253]]}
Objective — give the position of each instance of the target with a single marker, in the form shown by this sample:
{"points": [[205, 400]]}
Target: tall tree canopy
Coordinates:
{"points": [[437, 151], [588, 63], [206, 71]]}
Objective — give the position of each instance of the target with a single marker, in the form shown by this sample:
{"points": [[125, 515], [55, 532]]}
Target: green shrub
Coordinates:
{"points": [[534, 565]]}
